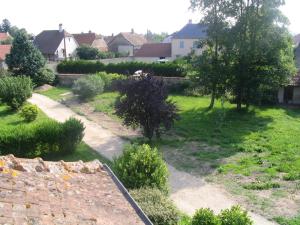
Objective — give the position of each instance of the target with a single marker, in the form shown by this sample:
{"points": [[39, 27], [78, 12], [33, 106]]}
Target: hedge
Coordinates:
{"points": [[126, 68], [47, 138]]}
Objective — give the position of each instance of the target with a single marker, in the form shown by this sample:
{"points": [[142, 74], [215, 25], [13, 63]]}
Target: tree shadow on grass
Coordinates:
{"points": [[219, 134]]}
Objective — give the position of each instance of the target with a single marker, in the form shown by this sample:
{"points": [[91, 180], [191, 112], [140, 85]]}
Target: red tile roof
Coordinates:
{"points": [[4, 50], [154, 50], [4, 36], [85, 38], [37, 192]]}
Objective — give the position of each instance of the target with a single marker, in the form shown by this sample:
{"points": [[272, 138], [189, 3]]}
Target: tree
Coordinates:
{"points": [[156, 38], [261, 49], [87, 52], [5, 26], [210, 66], [24, 58], [144, 103]]}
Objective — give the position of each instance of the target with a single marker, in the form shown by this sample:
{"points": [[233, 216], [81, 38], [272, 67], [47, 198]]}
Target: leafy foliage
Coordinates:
{"points": [[235, 216], [88, 86], [29, 112], [157, 206], [111, 80], [205, 217], [140, 166], [126, 68], [87, 52], [14, 91], [44, 76], [41, 139], [24, 57], [144, 103]]}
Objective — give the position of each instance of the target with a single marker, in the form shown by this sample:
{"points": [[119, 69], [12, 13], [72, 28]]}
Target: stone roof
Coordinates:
{"points": [[4, 50], [154, 50], [134, 39], [85, 38], [48, 41], [191, 31], [33, 191]]}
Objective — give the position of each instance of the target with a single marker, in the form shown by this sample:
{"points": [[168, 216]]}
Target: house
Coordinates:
{"points": [[34, 191], [91, 39], [297, 40], [4, 50], [291, 93], [56, 44], [127, 43], [153, 52], [186, 40]]}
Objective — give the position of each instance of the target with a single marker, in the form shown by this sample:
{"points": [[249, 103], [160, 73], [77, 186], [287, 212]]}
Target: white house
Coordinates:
{"points": [[186, 40], [56, 44]]}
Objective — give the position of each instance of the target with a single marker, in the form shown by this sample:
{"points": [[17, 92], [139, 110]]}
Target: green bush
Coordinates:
{"points": [[29, 112], [41, 139], [88, 86], [87, 52], [140, 166], [14, 91], [159, 209], [235, 216], [205, 217], [126, 68], [44, 76], [111, 80]]}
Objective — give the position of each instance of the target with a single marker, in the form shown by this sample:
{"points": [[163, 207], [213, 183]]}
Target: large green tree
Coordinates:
{"points": [[210, 71], [5, 26], [24, 58]]}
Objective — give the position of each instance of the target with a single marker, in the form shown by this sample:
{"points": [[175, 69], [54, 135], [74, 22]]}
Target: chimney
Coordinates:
{"points": [[60, 27], [132, 31], [190, 21], [90, 31]]}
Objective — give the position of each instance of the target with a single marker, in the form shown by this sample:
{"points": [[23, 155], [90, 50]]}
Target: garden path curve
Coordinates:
{"points": [[187, 191]]}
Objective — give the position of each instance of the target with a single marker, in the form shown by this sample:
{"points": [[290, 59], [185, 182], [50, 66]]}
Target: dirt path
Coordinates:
{"points": [[188, 192]]}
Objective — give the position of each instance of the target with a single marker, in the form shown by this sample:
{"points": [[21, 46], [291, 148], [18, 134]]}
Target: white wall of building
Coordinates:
{"points": [[179, 50], [71, 46]]}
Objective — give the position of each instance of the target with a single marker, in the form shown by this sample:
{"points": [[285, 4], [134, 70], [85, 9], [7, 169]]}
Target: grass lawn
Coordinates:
{"points": [[10, 119], [254, 154], [56, 93]]}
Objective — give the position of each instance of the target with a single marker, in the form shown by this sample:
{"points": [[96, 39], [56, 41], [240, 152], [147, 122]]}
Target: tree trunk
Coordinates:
{"points": [[212, 100]]}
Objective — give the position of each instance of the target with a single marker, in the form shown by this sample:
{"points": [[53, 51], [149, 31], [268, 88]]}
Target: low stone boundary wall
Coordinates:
{"points": [[68, 79]]}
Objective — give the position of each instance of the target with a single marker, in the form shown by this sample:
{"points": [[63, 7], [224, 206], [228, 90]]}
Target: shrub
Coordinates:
{"points": [[88, 86], [126, 68], [14, 91], [29, 112], [72, 134], [159, 209], [144, 103], [205, 217], [140, 166], [261, 185], [41, 139], [87, 52], [44, 76], [234, 216], [111, 80]]}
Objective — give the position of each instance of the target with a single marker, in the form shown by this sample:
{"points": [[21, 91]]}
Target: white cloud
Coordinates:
{"points": [[111, 16]]}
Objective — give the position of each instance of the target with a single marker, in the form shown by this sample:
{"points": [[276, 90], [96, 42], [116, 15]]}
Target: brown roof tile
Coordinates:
{"points": [[33, 191], [4, 50], [85, 38], [154, 50], [134, 39], [4, 36]]}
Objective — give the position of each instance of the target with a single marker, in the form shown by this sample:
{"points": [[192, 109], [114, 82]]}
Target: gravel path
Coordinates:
{"points": [[188, 192]]}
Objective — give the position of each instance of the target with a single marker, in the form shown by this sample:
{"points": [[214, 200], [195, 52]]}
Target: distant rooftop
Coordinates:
{"points": [[154, 50], [191, 31], [4, 36], [4, 50], [33, 191]]}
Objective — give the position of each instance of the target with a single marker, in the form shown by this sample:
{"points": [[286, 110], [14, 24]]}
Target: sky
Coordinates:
{"points": [[112, 16]]}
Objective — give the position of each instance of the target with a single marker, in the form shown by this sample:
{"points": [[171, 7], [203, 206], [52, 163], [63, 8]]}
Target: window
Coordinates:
{"points": [[195, 45], [181, 44]]}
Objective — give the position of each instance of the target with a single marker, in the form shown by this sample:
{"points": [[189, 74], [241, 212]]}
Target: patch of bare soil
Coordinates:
{"points": [[100, 118], [44, 87]]}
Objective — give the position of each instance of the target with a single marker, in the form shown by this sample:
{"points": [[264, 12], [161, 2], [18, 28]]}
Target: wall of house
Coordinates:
{"points": [[281, 95], [126, 49], [296, 97], [188, 47], [116, 42], [71, 46], [3, 65]]}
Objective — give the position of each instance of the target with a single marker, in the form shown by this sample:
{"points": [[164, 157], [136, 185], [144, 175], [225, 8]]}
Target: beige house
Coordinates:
{"points": [[91, 39], [186, 40], [291, 93]]}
